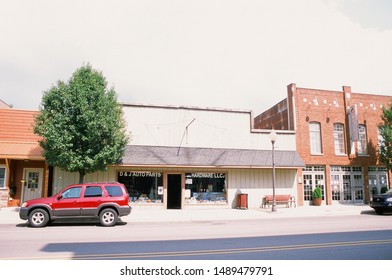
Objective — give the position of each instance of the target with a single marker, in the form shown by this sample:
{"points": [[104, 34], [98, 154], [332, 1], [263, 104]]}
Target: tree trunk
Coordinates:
{"points": [[81, 176]]}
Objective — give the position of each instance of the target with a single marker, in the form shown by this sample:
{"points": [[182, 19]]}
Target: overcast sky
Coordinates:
{"points": [[235, 54]]}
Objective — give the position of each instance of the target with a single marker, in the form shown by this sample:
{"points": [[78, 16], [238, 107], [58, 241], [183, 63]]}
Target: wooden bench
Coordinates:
{"points": [[287, 199]]}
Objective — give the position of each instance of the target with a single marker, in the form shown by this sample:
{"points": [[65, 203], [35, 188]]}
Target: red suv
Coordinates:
{"points": [[106, 201]]}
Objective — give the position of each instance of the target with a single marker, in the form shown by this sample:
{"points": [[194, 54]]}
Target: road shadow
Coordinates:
{"points": [[373, 213], [284, 247]]}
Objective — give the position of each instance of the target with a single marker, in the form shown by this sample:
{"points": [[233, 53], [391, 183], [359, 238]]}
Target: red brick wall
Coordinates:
{"points": [[274, 118], [326, 108], [329, 107]]}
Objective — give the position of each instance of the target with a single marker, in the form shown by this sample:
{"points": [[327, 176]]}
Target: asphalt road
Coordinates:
{"points": [[368, 245], [331, 238]]}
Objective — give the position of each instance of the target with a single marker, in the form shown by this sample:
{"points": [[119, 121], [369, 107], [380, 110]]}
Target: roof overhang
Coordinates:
{"points": [[21, 150], [188, 157]]}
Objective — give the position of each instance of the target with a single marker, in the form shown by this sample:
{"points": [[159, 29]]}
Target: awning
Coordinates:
{"points": [[21, 150], [136, 155]]}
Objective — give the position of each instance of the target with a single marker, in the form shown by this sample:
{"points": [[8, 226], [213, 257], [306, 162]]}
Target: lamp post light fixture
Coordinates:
{"points": [[273, 137]]}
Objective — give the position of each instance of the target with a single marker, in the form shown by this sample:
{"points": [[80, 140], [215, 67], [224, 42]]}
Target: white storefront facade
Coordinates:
{"points": [[189, 157]]}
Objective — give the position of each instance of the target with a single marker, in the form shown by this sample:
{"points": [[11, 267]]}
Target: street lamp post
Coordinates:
{"points": [[273, 137]]}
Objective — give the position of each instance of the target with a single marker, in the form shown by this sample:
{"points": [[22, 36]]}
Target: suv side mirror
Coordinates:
{"points": [[59, 197]]}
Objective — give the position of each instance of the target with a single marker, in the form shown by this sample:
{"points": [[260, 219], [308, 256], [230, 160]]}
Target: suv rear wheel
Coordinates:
{"points": [[38, 218], [108, 217]]}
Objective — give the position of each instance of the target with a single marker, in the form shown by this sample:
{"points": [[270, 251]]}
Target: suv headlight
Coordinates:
{"points": [[389, 199], [24, 204]]}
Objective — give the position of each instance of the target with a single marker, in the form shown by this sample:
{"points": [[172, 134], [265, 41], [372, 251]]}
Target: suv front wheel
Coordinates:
{"points": [[38, 218], [108, 217]]}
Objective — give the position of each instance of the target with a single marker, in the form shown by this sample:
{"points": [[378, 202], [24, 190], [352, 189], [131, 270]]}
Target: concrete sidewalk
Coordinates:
{"points": [[164, 215], [10, 215]]}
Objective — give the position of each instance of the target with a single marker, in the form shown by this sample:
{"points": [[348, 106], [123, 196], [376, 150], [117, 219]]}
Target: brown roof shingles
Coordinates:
{"points": [[17, 138], [209, 157]]}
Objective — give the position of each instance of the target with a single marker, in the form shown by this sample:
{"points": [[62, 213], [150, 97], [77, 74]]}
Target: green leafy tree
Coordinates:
{"points": [[81, 124], [385, 129]]}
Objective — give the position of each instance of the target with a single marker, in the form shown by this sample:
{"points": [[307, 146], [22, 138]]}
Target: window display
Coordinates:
{"points": [[205, 188], [143, 186]]}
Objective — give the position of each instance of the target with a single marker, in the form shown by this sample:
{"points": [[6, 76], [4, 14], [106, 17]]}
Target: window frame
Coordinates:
{"points": [[112, 190], [315, 139], [3, 186], [380, 139], [87, 193], [339, 139], [69, 190], [362, 147]]}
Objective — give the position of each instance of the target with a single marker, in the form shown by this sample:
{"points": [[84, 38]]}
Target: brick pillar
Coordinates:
{"points": [[328, 190]]}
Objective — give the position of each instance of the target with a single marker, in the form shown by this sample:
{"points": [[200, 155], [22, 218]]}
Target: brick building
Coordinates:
{"points": [[337, 137]]}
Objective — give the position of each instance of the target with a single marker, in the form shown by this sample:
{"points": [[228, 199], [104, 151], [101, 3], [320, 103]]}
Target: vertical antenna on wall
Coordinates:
{"points": [[183, 135]]}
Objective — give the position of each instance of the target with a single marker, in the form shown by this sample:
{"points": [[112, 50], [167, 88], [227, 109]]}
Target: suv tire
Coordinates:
{"points": [[108, 217], [38, 218]]}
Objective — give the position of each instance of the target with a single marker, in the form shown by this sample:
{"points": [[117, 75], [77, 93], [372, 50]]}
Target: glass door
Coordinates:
{"points": [[313, 176], [347, 184], [347, 193]]}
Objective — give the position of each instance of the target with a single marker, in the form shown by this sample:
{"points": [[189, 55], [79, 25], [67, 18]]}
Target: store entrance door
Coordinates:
{"points": [[174, 193], [33, 183]]}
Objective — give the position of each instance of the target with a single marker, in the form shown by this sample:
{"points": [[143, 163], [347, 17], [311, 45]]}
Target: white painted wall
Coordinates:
{"points": [[208, 128], [257, 183]]}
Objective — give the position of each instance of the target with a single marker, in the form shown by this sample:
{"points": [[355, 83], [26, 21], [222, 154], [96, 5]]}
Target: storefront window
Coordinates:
{"points": [[143, 187], [205, 188]]}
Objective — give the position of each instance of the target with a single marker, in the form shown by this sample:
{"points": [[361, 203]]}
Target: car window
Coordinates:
{"points": [[93, 191], [72, 192], [114, 191]]}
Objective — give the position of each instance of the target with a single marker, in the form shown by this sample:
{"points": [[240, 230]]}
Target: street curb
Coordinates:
{"points": [[10, 215]]}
